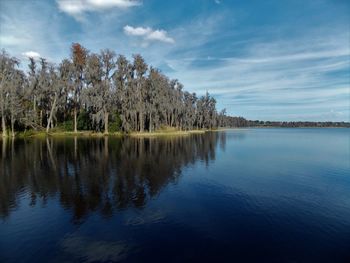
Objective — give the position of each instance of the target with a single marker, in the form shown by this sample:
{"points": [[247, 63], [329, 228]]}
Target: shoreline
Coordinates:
{"points": [[92, 134], [171, 133]]}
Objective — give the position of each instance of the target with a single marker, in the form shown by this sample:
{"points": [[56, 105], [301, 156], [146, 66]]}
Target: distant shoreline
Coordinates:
{"points": [[301, 127]]}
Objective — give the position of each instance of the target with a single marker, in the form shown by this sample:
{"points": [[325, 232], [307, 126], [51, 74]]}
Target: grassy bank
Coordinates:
{"points": [[165, 133], [42, 134], [55, 133]]}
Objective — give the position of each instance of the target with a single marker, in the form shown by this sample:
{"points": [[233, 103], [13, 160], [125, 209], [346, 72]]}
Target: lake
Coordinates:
{"points": [[250, 195]]}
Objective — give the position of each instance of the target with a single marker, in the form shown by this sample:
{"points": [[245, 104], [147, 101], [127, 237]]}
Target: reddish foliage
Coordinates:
{"points": [[79, 54]]}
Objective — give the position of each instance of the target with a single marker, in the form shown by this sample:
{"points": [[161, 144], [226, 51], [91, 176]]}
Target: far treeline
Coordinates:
{"points": [[102, 92], [242, 122], [99, 92]]}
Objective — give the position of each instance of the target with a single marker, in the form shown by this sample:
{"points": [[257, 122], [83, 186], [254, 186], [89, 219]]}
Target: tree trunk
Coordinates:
{"points": [[75, 120], [141, 122], [3, 124], [150, 122], [106, 122], [34, 110], [41, 118], [12, 127], [51, 113]]}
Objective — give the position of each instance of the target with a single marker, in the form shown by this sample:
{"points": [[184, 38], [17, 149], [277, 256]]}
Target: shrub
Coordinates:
{"points": [[66, 126], [115, 123], [84, 122]]}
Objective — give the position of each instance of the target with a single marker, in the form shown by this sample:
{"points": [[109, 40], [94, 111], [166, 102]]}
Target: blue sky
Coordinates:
{"points": [[267, 60]]}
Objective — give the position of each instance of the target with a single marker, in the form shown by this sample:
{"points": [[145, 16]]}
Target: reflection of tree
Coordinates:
{"points": [[101, 175]]}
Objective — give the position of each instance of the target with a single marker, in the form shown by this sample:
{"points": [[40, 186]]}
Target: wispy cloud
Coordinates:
{"points": [[148, 34], [22, 30], [307, 79], [76, 8]]}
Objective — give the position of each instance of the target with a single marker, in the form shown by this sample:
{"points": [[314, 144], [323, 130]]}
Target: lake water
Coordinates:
{"points": [[254, 195]]}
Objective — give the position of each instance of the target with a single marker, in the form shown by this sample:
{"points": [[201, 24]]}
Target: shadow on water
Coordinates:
{"points": [[100, 175]]}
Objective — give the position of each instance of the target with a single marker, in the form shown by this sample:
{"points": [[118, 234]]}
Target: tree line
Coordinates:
{"points": [[100, 92], [240, 122], [295, 124], [106, 92], [228, 121]]}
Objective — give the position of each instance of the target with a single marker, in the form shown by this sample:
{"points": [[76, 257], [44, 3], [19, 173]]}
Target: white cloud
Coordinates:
{"points": [[31, 54], [149, 34], [76, 8], [137, 31], [218, 2], [160, 35]]}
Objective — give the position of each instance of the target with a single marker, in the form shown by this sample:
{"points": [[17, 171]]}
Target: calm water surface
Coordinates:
{"points": [[255, 195]]}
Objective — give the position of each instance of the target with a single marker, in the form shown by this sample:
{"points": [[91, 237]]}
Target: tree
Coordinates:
{"points": [[43, 90], [79, 55], [33, 90], [140, 68], [153, 104], [189, 110], [54, 91], [221, 118], [123, 79], [66, 82], [7, 74], [108, 93]]}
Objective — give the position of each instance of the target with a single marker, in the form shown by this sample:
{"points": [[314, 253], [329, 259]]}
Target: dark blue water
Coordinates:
{"points": [[255, 195]]}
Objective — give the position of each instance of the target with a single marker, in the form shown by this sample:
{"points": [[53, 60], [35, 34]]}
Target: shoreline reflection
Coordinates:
{"points": [[100, 175]]}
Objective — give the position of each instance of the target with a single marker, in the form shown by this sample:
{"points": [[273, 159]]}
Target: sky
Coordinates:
{"points": [[267, 60]]}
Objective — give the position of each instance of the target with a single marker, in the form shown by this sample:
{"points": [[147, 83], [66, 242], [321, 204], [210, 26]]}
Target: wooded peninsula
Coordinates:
{"points": [[107, 93]]}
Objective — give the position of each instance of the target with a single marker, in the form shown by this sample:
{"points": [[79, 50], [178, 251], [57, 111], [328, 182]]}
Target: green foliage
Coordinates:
{"points": [[115, 123], [84, 121], [66, 126]]}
